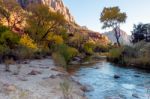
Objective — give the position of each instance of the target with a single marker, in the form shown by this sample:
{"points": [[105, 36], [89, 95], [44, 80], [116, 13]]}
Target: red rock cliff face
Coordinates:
{"points": [[55, 5]]}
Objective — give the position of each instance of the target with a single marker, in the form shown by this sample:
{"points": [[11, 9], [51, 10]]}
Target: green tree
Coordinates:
{"points": [[42, 21], [112, 17]]}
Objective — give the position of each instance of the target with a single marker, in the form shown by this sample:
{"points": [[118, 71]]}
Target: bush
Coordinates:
{"points": [[59, 59], [25, 53], [89, 47], [129, 51], [3, 49], [9, 39], [57, 39], [101, 48], [3, 29], [67, 52], [136, 55], [64, 54], [66, 88], [28, 42], [54, 41], [115, 55]]}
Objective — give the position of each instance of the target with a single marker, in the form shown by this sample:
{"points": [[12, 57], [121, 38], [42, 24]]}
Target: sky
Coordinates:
{"points": [[87, 12]]}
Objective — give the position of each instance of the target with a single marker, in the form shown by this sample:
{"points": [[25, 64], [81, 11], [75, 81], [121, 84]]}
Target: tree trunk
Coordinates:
{"points": [[117, 35]]}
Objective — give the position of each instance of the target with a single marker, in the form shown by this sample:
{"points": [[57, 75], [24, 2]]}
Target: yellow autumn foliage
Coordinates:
{"points": [[56, 39], [28, 42]]}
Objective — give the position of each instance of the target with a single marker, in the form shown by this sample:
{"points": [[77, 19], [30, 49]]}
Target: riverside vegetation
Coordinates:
{"points": [[137, 54], [36, 32]]}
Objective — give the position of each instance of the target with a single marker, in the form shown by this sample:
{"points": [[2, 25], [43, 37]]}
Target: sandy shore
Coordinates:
{"points": [[37, 79]]}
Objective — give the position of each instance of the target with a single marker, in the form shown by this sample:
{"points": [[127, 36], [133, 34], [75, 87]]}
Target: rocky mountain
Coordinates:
{"points": [[124, 38], [54, 5]]}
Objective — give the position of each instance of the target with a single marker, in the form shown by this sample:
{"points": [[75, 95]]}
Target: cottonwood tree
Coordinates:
{"points": [[112, 17], [41, 21], [12, 12]]}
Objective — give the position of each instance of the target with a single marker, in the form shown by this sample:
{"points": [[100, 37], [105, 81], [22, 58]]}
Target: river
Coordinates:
{"points": [[132, 84]]}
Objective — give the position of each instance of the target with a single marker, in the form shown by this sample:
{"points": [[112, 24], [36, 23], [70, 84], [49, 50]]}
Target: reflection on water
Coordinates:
{"points": [[132, 83]]}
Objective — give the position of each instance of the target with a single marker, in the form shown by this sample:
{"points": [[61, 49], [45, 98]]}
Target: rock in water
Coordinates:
{"points": [[116, 76], [87, 88], [135, 95]]}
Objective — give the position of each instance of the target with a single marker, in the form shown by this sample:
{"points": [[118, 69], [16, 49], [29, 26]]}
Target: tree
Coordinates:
{"points": [[112, 17], [12, 12], [141, 32], [41, 21]]}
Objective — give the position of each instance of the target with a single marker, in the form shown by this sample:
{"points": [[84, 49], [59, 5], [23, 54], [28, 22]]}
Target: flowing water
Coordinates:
{"points": [[132, 84]]}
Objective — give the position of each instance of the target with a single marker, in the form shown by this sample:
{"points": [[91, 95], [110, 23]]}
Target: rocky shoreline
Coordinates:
{"points": [[38, 79]]}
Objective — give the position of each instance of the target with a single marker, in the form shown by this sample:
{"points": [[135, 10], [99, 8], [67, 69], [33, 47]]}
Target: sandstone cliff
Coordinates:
{"points": [[55, 5]]}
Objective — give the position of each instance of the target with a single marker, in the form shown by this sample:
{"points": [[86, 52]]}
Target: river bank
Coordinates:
{"points": [[37, 79]]}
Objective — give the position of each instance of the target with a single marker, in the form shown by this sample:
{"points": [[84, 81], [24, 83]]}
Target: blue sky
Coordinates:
{"points": [[87, 12]]}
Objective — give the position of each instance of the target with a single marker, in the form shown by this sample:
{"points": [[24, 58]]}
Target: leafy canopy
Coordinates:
{"points": [[112, 17], [42, 21]]}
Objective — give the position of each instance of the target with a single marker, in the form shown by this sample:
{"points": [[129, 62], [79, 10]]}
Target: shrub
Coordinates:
{"points": [[3, 29], [59, 59], [54, 41], [55, 38], [136, 55], [66, 89], [67, 52], [101, 47], [3, 49], [89, 47], [7, 63], [115, 55], [116, 52], [129, 51], [28, 42], [9, 39], [64, 54], [25, 53]]}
